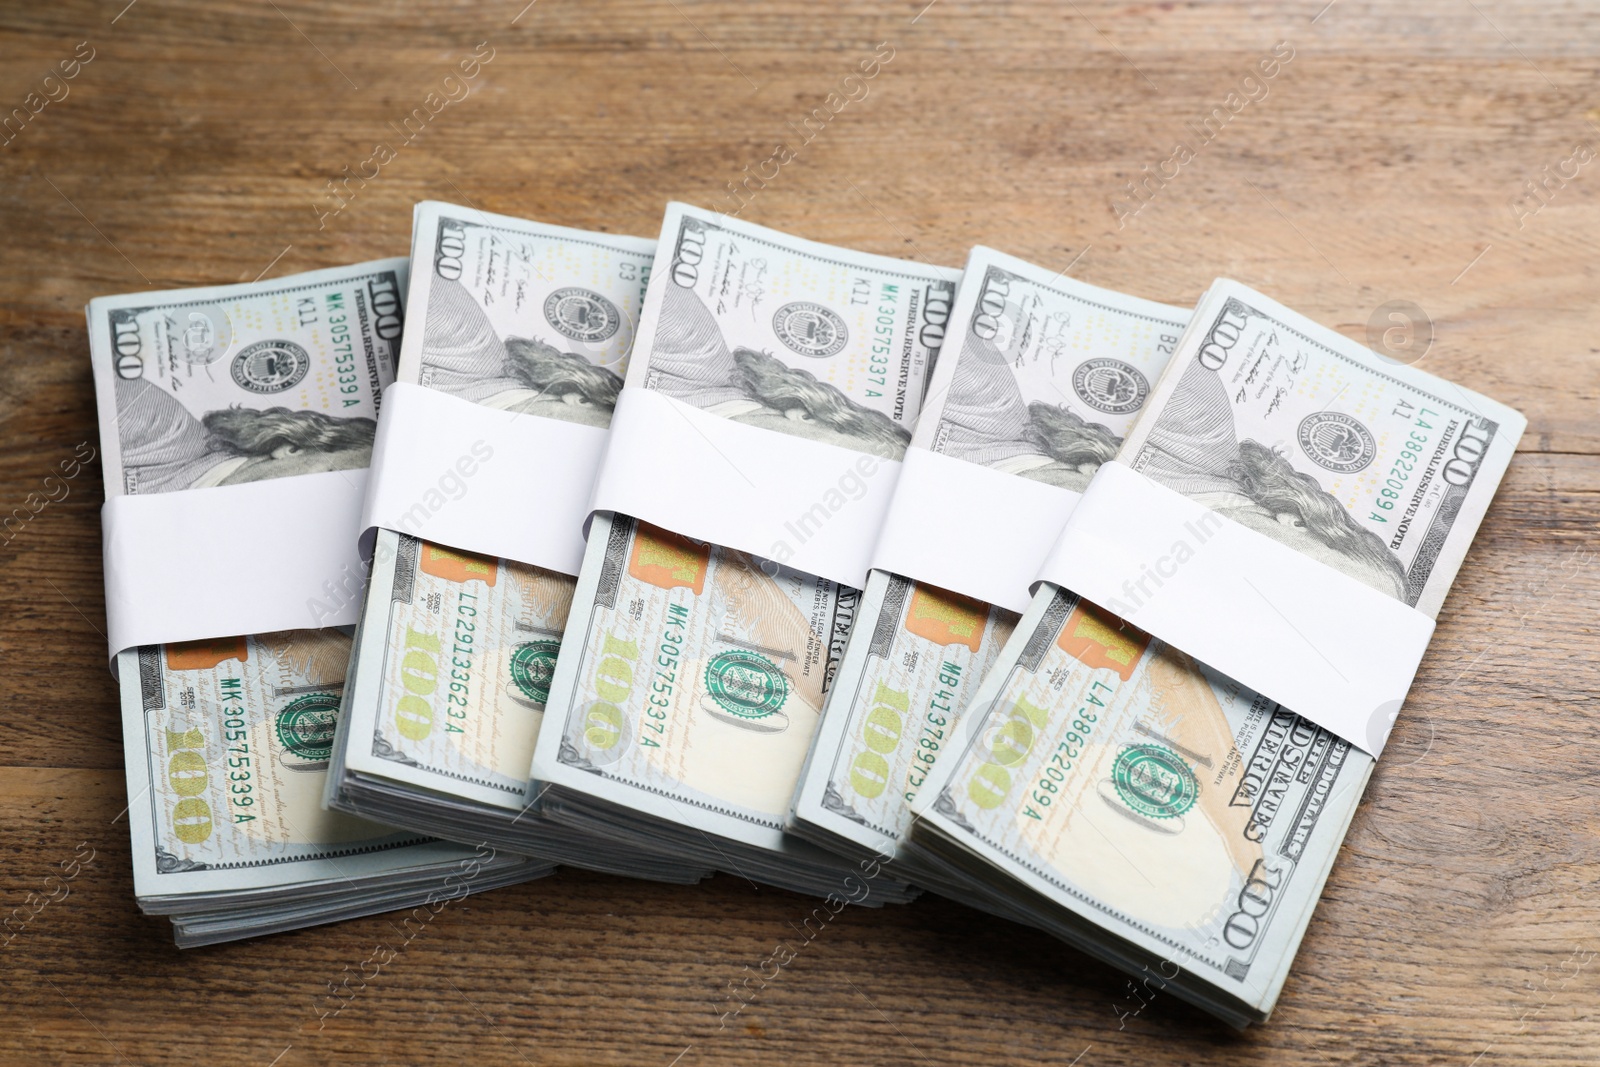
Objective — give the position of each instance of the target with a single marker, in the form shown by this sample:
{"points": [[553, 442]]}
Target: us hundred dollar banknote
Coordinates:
{"points": [[227, 741], [1372, 467], [693, 676], [240, 383], [1130, 799], [226, 787], [1041, 377], [455, 651]]}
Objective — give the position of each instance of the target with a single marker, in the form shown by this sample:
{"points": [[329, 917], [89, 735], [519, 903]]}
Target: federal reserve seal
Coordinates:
{"points": [[1154, 781], [582, 314], [270, 366], [1336, 442], [810, 329], [532, 667], [305, 727], [1110, 385], [746, 684]]}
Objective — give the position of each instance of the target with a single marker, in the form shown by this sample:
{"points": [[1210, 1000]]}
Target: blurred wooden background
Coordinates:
{"points": [[1385, 168]]}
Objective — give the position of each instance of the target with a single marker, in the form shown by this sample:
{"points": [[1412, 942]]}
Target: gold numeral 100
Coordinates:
{"points": [[869, 774], [419, 675], [188, 776], [613, 683], [1008, 746]]}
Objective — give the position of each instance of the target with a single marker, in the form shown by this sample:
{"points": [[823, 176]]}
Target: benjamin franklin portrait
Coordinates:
{"points": [[462, 355], [1194, 450], [691, 361], [166, 448]]}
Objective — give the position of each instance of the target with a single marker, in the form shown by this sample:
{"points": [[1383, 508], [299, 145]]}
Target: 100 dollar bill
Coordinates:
{"points": [[1042, 378], [227, 749], [1281, 425], [227, 740], [1132, 800], [1167, 816], [241, 383], [456, 651], [694, 675], [462, 671]]}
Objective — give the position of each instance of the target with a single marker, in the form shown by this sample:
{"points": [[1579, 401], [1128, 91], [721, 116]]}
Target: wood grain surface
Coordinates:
{"points": [[1383, 167]]}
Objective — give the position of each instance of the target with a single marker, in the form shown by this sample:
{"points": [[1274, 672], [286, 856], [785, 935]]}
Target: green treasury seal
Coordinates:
{"points": [[746, 684], [1153, 780], [306, 726], [532, 667]]}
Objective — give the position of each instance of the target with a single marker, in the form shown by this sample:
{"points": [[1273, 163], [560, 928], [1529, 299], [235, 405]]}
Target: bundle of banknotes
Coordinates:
{"points": [[227, 740], [1111, 790], [522, 317], [678, 707]]}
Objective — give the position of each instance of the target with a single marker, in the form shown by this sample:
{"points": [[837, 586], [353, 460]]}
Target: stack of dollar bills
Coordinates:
{"points": [[694, 676], [1042, 377], [1113, 791], [522, 317], [227, 740], [679, 707]]}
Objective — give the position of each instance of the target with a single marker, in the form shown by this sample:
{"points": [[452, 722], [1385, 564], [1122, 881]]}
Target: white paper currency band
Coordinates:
{"points": [[1312, 638], [479, 479], [808, 505], [970, 529], [233, 559]]}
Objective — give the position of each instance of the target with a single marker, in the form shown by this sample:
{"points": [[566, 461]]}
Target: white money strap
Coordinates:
{"points": [[477, 479], [232, 559], [1290, 627], [805, 504], [970, 529]]}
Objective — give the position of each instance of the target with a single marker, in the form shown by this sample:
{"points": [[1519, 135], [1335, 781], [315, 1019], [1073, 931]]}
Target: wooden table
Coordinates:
{"points": [[1381, 171]]}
